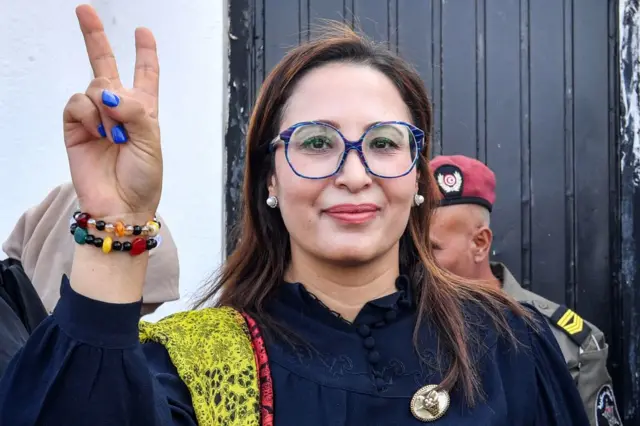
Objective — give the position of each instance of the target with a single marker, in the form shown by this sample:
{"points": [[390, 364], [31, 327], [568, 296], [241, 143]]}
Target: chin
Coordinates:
{"points": [[351, 258], [352, 252], [346, 249]]}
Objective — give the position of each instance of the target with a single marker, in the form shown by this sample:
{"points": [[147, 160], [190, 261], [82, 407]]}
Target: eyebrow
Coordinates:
{"points": [[337, 126]]}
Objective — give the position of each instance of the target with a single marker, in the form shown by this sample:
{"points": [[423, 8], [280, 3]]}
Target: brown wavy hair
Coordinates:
{"points": [[262, 254]]}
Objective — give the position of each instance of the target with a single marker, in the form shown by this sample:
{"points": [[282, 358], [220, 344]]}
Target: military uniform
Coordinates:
{"points": [[465, 180], [583, 346]]}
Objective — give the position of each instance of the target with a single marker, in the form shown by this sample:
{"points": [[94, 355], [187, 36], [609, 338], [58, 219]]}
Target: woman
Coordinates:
{"points": [[359, 326]]}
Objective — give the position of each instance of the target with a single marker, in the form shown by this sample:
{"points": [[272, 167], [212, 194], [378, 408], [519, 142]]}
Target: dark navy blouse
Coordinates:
{"points": [[85, 366]]}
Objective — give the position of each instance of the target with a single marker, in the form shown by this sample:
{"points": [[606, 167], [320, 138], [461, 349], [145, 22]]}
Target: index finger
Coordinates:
{"points": [[101, 57]]}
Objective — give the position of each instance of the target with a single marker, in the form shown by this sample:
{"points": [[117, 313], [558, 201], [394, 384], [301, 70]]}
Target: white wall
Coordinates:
{"points": [[43, 62]]}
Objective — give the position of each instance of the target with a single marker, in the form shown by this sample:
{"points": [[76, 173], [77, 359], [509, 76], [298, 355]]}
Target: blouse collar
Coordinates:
{"points": [[376, 313]]}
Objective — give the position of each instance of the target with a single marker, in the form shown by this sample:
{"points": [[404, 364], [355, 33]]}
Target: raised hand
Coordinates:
{"points": [[111, 133]]}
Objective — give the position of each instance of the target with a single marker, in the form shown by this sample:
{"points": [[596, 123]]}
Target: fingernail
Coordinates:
{"points": [[102, 132], [110, 99], [118, 134]]}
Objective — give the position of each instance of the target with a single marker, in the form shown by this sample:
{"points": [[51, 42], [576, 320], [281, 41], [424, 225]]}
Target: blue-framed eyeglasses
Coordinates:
{"points": [[317, 150]]}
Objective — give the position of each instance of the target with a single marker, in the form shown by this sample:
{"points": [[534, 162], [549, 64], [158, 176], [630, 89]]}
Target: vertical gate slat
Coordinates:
{"points": [[503, 128]]}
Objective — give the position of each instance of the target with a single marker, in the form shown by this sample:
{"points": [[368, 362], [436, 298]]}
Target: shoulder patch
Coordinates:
{"points": [[572, 324], [606, 409]]}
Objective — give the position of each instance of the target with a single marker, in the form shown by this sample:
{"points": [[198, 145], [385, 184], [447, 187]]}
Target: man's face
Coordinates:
{"points": [[451, 234]]}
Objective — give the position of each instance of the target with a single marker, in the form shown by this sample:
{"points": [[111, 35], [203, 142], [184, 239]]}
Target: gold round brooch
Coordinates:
{"points": [[430, 403]]}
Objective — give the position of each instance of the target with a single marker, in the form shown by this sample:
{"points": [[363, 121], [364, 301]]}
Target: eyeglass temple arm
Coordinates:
{"points": [[274, 142]]}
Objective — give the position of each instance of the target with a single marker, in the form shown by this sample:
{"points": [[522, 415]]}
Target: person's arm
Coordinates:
{"points": [[594, 381], [13, 334], [84, 365], [112, 278], [20, 294], [558, 401]]}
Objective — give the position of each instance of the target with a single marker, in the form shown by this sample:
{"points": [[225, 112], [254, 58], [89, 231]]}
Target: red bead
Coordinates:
{"points": [[138, 246], [82, 220]]}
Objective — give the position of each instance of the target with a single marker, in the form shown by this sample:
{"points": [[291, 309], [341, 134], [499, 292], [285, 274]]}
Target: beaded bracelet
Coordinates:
{"points": [[81, 222], [135, 247], [84, 221]]}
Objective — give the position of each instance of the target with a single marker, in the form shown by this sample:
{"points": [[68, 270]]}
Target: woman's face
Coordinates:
{"points": [[351, 98]]}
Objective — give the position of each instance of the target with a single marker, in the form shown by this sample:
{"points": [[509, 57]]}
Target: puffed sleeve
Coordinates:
{"points": [[558, 399], [84, 365]]}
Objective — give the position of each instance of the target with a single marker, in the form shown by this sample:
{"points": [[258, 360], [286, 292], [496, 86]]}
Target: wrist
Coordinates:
{"points": [[114, 209], [118, 235], [137, 218], [111, 255], [113, 277]]}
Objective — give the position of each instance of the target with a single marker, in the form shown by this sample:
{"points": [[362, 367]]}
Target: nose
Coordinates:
{"points": [[353, 174]]}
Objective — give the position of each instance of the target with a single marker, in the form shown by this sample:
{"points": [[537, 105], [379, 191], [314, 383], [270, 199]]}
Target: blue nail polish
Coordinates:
{"points": [[118, 134], [102, 132], [110, 99]]}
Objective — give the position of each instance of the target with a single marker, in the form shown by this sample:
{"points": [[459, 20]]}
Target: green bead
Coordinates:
{"points": [[80, 235]]}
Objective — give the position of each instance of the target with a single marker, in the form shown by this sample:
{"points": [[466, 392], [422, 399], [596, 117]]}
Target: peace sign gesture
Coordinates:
{"points": [[111, 133]]}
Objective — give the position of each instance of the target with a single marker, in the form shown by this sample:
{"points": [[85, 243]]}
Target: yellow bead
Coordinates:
{"points": [[106, 244], [120, 229], [153, 228]]}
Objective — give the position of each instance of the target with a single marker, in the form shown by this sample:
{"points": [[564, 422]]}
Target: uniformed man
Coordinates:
{"points": [[461, 240]]}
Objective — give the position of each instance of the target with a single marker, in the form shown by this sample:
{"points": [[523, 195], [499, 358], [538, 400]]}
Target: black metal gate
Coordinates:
{"points": [[531, 87]]}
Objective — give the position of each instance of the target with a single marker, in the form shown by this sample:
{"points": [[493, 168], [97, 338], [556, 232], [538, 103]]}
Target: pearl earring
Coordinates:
{"points": [[272, 201], [418, 200]]}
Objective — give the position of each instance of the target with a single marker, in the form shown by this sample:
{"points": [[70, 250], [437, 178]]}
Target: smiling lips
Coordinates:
{"points": [[353, 213]]}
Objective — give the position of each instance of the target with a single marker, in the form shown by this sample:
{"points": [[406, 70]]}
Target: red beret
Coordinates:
{"points": [[464, 180]]}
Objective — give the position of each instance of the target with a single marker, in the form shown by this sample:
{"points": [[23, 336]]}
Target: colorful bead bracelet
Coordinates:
{"points": [[107, 244], [119, 228]]}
